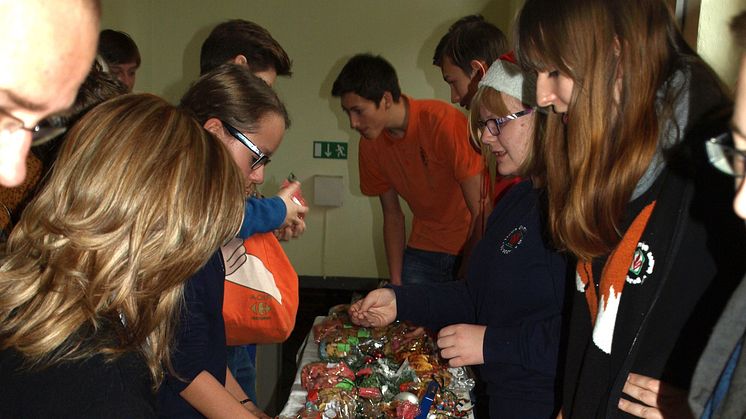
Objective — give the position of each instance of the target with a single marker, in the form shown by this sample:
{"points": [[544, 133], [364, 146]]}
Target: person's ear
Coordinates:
{"points": [[214, 127], [387, 100], [478, 69], [240, 59]]}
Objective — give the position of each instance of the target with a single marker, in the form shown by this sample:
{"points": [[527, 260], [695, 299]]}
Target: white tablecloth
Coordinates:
{"points": [[308, 352]]}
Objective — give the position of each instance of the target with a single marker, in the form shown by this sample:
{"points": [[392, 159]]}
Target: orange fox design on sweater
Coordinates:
{"points": [[604, 308]]}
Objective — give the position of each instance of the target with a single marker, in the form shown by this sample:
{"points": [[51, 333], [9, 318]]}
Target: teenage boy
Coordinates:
{"points": [[465, 53], [418, 150], [245, 43], [121, 55]]}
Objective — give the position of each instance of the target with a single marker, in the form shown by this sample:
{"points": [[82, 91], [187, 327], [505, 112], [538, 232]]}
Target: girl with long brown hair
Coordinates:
{"points": [[647, 220]]}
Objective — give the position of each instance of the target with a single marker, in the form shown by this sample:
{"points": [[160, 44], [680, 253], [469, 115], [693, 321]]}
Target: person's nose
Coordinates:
{"points": [[545, 90], [14, 147], [455, 97], [129, 81], [354, 122], [739, 203], [487, 137], [257, 175]]}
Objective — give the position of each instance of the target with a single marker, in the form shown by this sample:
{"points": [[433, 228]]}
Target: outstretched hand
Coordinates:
{"points": [[294, 224], [461, 344], [377, 309]]}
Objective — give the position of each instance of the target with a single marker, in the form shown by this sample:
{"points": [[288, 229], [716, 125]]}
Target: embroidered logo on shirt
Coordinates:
{"points": [[513, 239], [643, 263]]}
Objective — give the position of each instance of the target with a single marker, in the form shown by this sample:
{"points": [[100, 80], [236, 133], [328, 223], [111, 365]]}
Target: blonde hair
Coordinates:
{"points": [[492, 100], [140, 197]]}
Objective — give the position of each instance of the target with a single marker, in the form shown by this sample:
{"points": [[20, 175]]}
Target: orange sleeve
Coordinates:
{"points": [[372, 180]]}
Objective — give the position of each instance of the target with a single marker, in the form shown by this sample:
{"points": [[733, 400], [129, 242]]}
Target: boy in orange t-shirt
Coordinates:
{"points": [[419, 150]]}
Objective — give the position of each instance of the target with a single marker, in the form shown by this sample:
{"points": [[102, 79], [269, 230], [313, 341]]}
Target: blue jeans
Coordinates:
{"points": [[425, 267], [242, 363]]}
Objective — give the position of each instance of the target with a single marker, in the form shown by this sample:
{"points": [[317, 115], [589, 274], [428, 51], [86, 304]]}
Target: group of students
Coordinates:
{"points": [[610, 147], [113, 278], [600, 277]]}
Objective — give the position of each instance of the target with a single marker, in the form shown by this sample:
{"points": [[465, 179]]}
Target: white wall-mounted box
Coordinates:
{"points": [[327, 190]]}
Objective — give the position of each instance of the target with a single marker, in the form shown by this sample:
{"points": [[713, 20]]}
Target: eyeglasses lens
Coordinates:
{"points": [[724, 157]]}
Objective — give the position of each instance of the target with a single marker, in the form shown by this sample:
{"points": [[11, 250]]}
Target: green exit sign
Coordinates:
{"points": [[329, 150]]}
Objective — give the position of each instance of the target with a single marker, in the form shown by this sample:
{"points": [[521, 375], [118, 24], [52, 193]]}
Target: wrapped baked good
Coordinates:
{"points": [[337, 403], [318, 375]]}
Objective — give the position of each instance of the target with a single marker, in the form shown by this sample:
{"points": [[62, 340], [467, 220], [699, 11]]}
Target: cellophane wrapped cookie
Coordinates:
{"points": [[365, 372]]}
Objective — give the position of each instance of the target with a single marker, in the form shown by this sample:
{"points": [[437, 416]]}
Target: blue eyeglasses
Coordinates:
{"points": [[261, 158], [494, 124]]}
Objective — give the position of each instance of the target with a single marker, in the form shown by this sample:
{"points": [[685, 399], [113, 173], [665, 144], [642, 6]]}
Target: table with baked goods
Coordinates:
{"points": [[349, 371]]}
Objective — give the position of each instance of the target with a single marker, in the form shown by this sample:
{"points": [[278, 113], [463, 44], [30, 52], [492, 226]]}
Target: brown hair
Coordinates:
{"points": [[597, 158], [233, 94], [470, 38], [141, 196], [242, 37]]}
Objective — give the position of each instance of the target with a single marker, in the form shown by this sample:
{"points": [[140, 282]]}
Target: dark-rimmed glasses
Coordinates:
{"points": [[494, 125], [724, 156], [40, 134], [261, 158]]}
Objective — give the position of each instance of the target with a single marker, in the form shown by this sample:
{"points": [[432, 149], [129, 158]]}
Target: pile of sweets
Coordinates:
{"points": [[380, 373]]}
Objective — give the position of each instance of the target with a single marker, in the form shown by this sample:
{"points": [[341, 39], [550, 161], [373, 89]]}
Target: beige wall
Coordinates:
{"points": [[319, 36], [714, 41]]}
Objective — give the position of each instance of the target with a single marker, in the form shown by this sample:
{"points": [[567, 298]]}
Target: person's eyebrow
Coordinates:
{"points": [[22, 102]]}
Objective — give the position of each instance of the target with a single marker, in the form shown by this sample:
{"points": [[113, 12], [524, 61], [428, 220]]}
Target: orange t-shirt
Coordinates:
{"points": [[425, 168]]}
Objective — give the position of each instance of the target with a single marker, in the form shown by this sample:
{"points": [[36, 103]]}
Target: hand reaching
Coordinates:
{"points": [[461, 344], [377, 309], [294, 225]]}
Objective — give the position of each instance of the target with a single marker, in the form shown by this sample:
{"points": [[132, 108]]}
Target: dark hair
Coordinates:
{"points": [[233, 94], [471, 38], [117, 47], [367, 76], [241, 37], [738, 27], [97, 87]]}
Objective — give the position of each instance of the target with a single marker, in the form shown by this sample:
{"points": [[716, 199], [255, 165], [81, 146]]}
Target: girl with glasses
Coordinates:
{"points": [[244, 114], [506, 318], [632, 197]]}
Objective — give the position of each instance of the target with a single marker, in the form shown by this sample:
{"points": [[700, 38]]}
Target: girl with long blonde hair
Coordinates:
{"points": [[92, 279]]}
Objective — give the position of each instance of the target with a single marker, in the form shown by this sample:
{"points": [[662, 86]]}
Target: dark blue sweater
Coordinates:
{"points": [[515, 286], [200, 341]]}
